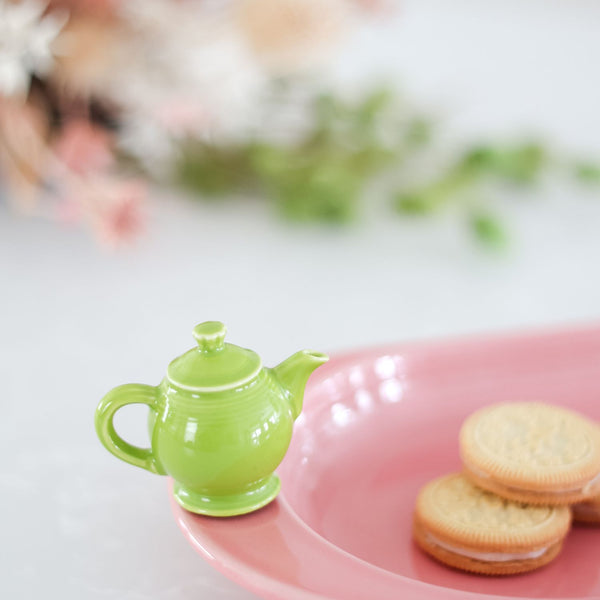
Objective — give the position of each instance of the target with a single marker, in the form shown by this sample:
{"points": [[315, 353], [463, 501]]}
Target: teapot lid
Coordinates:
{"points": [[213, 365]]}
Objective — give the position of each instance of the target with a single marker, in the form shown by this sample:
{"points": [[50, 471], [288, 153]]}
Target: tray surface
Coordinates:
{"points": [[378, 424]]}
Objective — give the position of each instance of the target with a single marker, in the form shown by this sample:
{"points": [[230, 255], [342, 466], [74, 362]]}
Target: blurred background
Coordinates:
{"points": [[315, 173]]}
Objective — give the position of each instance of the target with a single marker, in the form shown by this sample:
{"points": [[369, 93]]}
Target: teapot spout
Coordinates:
{"points": [[293, 373]]}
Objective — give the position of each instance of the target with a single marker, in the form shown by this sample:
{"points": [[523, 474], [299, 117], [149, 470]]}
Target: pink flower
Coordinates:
{"points": [[68, 211], [99, 8], [118, 214], [377, 6], [111, 207], [179, 116], [84, 148], [23, 151]]}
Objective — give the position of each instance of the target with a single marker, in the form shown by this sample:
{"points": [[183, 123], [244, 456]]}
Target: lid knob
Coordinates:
{"points": [[210, 335]]}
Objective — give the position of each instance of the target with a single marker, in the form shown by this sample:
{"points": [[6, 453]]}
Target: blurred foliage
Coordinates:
{"points": [[587, 172], [520, 164], [322, 176]]}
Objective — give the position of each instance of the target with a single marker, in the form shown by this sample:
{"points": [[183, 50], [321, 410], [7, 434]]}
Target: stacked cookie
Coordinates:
{"points": [[528, 469]]}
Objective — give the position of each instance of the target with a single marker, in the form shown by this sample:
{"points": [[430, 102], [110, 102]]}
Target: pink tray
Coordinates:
{"points": [[378, 424]]}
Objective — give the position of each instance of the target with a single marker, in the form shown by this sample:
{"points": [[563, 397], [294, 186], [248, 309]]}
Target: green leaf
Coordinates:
{"points": [[519, 164], [326, 193], [488, 230], [587, 172], [372, 106], [326, 109], [415, 203], [418, 132], [269, 162], [212, 170], [523, 164], [481, 160]]}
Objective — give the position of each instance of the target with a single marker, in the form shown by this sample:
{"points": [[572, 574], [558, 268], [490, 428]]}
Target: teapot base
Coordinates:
{"points": [[228, 505]]}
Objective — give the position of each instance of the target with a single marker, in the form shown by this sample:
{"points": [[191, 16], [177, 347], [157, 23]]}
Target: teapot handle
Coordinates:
{"points": [[130, 393]]}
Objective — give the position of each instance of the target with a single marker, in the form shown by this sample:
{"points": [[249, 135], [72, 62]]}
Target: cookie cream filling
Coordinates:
{"points": [[588, 488], [487, 556]]}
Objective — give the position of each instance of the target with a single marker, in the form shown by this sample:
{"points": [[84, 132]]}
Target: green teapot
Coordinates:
{"points": [[220, 423]]}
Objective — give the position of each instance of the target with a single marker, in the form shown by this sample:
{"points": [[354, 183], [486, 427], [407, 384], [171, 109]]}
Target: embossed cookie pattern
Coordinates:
{"points": [[533, 436], [475, 509]]}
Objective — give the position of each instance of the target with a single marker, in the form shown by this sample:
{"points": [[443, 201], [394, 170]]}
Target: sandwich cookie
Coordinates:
{"points": [[587, 512], [468, 528], [534, 453]]}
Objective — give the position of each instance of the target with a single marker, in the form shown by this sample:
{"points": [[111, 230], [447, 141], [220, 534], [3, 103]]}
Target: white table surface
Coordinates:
{"points": [[75, 320]]}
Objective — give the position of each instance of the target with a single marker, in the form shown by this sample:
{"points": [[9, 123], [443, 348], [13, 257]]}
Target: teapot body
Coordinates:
{"points": [[222, 448]]}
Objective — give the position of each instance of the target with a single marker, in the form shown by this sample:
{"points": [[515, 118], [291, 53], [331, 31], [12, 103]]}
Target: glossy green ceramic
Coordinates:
{"points": [[220, 423]]}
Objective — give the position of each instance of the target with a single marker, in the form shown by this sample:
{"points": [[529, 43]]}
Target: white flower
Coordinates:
{"points": [[26, 37], [186, 54]]}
